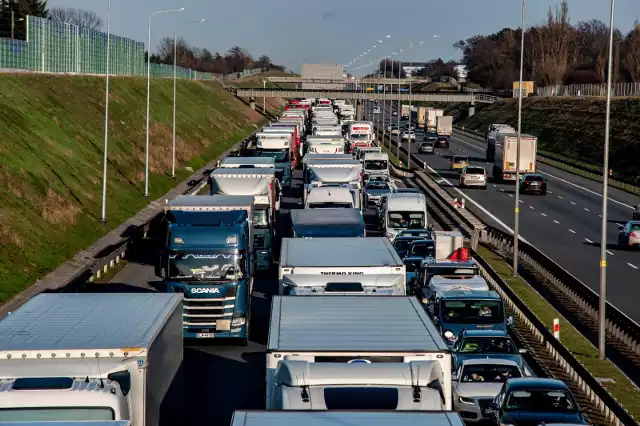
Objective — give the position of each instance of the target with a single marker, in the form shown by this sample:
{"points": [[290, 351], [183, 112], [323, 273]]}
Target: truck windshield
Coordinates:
{"points": [[205, 266], [361, 398], [400, 219], [35, 414], [473, 311], [279, 154], [330, 205], [359, 136], [375, 165], [260, 219]]}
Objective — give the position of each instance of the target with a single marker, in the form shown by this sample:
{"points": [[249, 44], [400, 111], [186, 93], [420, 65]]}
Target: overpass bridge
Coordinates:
{"points": [[394, 81], [456, 97]]}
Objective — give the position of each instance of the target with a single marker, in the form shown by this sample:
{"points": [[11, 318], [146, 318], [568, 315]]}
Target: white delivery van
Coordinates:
{"points": [[402, 210], [375, 163], [90, 356], [354, 329]]}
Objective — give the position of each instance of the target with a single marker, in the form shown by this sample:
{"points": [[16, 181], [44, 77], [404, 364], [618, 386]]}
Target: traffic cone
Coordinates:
{"points": [[455, 203], [462, 203]]}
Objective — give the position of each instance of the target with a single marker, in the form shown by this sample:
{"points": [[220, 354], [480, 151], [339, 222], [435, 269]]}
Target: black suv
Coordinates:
{"points": [[533, 183]]}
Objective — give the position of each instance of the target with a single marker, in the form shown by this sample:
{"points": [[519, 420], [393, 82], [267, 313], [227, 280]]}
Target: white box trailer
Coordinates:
{"points": [[444, 125], [502, 151], [108, 356], [343, 329], [344, 418], [446, 243]]}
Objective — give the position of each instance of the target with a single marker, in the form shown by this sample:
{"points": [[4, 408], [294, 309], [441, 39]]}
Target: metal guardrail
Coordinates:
{"points": [[617, 325], [569, 166]]}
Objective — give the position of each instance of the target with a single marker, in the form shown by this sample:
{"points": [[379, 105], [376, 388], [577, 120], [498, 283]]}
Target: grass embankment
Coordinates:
{"points": [[622, 389], [51, 147], [573, 129]]}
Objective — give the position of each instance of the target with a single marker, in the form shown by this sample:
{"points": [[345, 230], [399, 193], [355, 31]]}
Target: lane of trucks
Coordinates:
{"points": [[382, 323]]}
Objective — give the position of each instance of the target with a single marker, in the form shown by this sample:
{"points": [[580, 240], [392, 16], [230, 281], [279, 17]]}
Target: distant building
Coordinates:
{"points": [[322, 72]]}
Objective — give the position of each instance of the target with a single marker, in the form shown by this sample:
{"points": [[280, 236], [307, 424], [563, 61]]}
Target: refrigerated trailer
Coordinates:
{"points": [[343, 329], [502, 152], [90, 357]]}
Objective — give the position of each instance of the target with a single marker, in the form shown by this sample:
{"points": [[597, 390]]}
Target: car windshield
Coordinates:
{"points": [[330, 205], [260, 219], [474, 171], [473, 311], [541, 401], [400, 219], [378, 185], [279, 155], [431, 135], [423, 249], [491, 373], [534, 178], [205, 266], [427, 144], [635, 226], [375, 164], [359, 136], [488, 345]]}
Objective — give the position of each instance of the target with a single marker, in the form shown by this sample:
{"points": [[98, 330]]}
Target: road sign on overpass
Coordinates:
{"points": [[352, 94]]}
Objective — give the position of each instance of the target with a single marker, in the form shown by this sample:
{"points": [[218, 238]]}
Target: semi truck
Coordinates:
{"points": [[432, 117], [278, 147], [326, 223], [344, 418], [444, 125], [110, 357], [422, 115], [328, 329], [502, 152], [353, 257], [209, 258], [360, 134], [375, 164], [405, 111], [265, 189]]}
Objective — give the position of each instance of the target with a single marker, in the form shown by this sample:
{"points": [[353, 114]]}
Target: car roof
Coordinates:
{"points": [[489, 361], [407, 237], [484, 333], [531, 383]]}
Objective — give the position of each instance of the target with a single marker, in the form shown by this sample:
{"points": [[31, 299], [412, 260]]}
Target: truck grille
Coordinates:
{"points": [[206, 310], [258, 241]]}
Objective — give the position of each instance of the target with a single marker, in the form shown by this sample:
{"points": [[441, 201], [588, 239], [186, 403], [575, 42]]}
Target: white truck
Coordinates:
{"points": [[432, 117], [502, 152], [375, 164], [248, 163], [444, 125], [85, 356], [331, 197], [324, 144], [345, 175], [329, 329], [351, 257], [344, 418], [399, 211]]}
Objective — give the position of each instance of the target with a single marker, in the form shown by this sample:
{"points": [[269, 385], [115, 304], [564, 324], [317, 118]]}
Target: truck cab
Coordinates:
{"points": [[329, 197], [402, 211], [208, 257], [444, 269], [375, 163], [277, 146], [456, 310]]}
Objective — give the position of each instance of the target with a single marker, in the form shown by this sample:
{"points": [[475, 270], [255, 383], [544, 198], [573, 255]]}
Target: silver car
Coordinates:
{"points": [[426, 148], [473, 176], [629, 236], [476, 383]]}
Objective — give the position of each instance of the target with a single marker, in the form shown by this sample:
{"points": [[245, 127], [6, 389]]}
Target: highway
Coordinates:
{"points": [[565, 224]]}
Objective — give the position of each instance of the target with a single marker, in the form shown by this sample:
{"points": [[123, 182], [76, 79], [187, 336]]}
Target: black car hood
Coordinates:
{"points": [[530, 418]]}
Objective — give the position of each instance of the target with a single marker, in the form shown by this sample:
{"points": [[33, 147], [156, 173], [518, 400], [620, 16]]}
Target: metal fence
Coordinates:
{"points": [[61, 48], [617, 90]]}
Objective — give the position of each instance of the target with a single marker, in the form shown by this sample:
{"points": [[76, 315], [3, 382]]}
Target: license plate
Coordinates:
{"points": [[205, 335]]}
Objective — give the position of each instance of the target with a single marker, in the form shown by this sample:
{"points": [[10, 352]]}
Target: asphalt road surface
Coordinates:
{"points": [[565, 224]]}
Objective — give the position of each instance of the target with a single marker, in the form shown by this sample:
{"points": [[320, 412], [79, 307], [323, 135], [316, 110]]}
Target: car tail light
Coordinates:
{"points": [[632, 235]]}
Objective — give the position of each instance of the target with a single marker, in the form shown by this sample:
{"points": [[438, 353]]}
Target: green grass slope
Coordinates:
{"points": [[51, 147], [573, 128]]}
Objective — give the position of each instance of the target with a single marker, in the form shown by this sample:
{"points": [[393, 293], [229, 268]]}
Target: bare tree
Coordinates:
{"points": [[631, 56], [556, 41], [82, 18]]}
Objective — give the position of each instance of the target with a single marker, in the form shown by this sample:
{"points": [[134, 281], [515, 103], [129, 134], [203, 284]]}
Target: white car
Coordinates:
{"points": [[393, 130], [477, 382], [409, 135], [376, 110]]}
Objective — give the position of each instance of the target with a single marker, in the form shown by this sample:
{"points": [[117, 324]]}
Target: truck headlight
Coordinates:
{"points": [[449, 336], [238, 321]]}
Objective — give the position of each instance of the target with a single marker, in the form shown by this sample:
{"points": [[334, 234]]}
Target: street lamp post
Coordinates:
{"points": [[103, 214], [384, 102], [175, 79], [146, 150], [399, 106], [516, 220], [605, 185], [264, 97]]}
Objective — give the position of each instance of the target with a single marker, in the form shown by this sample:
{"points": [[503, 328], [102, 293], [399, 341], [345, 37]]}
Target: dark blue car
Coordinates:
{"points": [[534, 401]]}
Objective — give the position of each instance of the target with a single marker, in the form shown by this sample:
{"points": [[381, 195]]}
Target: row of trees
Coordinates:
{"points": [[555, 53], [236, 59], [434, 69]]}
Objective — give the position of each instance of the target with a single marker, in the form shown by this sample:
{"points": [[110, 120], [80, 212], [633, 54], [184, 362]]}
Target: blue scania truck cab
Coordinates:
{"points": [[208, 257]]}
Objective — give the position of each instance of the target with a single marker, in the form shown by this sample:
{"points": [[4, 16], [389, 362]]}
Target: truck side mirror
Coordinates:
{"points": [[122, 378], [510, 321]]}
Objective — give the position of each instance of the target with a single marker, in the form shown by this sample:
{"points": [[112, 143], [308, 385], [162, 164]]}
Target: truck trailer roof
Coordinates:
{"points": [[345, 418], [209, 202], [256, 162], [87, 321], [332, 252], [356, 323]]}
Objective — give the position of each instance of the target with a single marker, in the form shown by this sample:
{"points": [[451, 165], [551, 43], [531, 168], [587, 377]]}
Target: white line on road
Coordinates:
{"points": [[572, 231], [632, 265], [588, 240], [532, 208], [586, 209], [611, 254], [556, 221], [521, 201], [550, 192], [560, 197], [511, 195], [572, 203], [544, 214]]}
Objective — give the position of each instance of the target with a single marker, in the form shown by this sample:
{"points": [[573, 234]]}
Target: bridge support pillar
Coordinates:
{"points": [[472, 110], [252, 103]]}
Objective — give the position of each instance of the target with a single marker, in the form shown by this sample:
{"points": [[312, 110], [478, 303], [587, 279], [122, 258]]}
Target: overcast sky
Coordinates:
{"points": [[335, 31]]}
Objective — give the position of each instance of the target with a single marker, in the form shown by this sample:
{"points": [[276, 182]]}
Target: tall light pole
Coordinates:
{"points": [[605, 185], [384, 101], [516, 219], [146, 150], [399, 106], [175, 79], [103, 214]]}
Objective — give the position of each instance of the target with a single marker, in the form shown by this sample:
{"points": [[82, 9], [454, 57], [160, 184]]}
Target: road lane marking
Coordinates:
{"points": [[544, 214], [632, 265], [572, 231], [611, 254], [556, 222], [586, 209], [572, 203], [511, 195], [560, 197], [554, 177], [588, 240], [532, 208]]}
